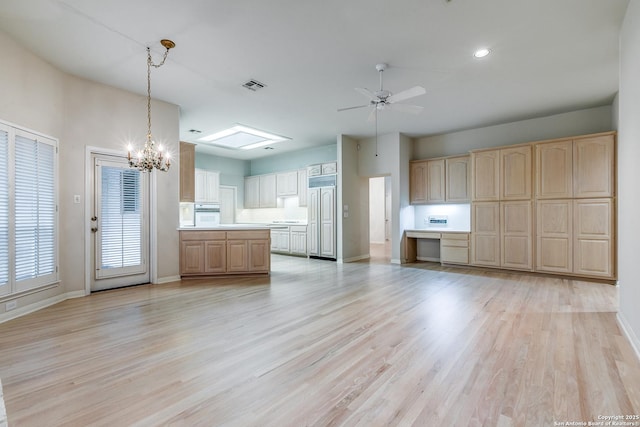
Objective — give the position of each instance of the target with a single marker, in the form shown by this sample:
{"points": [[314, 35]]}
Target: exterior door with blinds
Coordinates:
{"points": [[119, 224]]}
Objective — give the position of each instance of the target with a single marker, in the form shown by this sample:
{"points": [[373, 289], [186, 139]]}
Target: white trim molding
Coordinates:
{"points": [[628, 332], [27, 309]]}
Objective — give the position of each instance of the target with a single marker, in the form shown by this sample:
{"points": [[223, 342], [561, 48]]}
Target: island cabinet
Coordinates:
{"points": [[220, 252]]}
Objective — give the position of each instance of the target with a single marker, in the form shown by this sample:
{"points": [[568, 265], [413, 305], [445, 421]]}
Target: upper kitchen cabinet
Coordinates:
{"points": [[260, 191], [187, 172], [576, 168], [485, 166], [427, 181], [458, 180], [418, 182], [303, 184], [287, 184], [593, 166], [502, 174], [554, 170], [207, 186], [515, 174]]}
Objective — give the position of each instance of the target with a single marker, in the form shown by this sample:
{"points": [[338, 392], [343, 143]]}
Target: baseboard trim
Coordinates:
{"points": [[167, 279], [628, 332], [27, 309]]}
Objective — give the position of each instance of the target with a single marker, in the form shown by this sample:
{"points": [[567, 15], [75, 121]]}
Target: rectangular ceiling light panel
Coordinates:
{"points": [[242, 137]]}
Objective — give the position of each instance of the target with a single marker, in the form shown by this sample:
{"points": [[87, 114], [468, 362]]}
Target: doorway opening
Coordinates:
{"points": [[380, 219]]}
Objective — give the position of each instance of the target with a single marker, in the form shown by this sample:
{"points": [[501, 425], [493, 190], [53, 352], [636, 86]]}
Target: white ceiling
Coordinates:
{"points": [[548, 56]]}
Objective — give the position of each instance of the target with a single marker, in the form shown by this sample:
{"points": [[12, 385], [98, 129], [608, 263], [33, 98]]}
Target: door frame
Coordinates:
{"points": [[88, 198]]}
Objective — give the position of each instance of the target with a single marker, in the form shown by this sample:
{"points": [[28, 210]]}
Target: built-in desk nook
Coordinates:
{"points": [[454, 245]]}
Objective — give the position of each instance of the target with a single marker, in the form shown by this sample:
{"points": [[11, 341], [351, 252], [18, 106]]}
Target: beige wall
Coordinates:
{"points": [[80, 113], [580, 122], [629, 174]]}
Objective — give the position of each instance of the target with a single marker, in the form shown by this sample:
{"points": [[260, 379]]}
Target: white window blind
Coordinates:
{"points": [[121, 218], [35, 211], [28, 210], [4, 211]]}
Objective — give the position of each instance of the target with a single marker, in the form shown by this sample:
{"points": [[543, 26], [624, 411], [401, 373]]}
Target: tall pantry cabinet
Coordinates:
{"points": [[501, 209], [575, 206]]}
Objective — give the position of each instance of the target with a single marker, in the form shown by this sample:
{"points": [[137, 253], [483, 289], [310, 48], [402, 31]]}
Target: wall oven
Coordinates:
{"points": [[207, 215]]}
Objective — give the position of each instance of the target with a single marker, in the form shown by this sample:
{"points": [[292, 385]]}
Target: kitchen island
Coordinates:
{"points": [[234, 249]]}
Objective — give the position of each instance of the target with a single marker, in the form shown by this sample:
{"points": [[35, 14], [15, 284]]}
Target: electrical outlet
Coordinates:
{"points": [[10, 305]]}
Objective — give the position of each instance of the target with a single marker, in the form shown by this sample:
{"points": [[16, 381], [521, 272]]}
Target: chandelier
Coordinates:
{"points": [[150, 157]]}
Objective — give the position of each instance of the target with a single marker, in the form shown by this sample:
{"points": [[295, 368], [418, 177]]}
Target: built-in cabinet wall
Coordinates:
{"points": [[262, 191], [575, 205], [545, 206]]}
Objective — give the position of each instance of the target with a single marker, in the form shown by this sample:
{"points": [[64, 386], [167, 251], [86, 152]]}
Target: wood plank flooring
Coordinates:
{"points": [[325, 344]]}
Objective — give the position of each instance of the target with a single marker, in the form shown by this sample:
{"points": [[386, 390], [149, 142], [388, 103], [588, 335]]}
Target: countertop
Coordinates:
{"points": [[440, 230], [226, 227]]}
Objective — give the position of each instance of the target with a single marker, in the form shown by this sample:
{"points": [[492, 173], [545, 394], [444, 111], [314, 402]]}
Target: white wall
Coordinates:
{"points": [[353, 191], [376, 209], [629, 174], [591, 120], [81, 113]]}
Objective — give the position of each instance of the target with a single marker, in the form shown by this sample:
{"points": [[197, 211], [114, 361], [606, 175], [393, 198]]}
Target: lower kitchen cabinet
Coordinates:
{"points": [[299, 240], [280, 240], [593, 244], [454, 248], [210, 253], [575, 236], [502, 235]]}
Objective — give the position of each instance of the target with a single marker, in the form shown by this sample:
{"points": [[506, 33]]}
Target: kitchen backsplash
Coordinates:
{"points": [[289, 211], [458, 216]]}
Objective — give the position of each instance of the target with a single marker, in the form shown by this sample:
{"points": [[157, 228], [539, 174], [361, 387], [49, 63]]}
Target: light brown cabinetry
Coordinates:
{"points": [[593, 166], [575, 186], [502, 174], [593, 237], [515, 173], [458, 179], [439, 180], [554, 236], [516, 235], [208, 253], [187, 172], [485, 166], [454, 248], [485, 229], [576, 168]]}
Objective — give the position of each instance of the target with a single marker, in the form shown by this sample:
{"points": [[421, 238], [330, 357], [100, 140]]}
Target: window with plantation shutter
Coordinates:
{"points": [[28, 210], [4, 211]]}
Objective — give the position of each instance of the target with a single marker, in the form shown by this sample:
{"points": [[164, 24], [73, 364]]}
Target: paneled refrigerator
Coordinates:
{"points": [[321, 234]]}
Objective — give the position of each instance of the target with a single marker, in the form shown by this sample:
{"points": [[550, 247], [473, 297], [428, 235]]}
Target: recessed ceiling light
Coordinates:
{"points": [[481, 53], [242, 137]]}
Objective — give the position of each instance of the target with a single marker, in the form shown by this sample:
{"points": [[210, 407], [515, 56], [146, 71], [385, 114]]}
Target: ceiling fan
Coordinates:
{"points": [[382, 99]]}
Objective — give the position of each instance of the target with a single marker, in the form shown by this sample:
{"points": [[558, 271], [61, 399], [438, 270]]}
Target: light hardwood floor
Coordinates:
{"points": [[325, 344]]}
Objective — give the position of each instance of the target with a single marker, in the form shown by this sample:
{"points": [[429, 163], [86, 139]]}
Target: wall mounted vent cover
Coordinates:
{"points": [[254, 85]]}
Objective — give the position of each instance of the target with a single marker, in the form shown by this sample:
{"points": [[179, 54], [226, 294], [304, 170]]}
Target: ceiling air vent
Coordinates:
{"points": [[254, 85]]}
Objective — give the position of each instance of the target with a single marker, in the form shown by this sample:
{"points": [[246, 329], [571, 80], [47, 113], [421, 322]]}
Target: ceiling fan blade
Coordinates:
{"points": [[372, 115], [353, 108], [406, 108], [406, 94], [366, 92]]}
